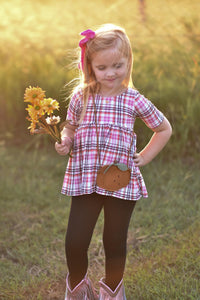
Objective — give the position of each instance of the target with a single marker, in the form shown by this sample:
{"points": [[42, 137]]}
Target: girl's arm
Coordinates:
{"points": [[159, 139]]}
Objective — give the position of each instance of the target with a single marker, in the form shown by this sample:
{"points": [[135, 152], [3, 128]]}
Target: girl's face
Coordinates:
{"points": [[110, 69]]}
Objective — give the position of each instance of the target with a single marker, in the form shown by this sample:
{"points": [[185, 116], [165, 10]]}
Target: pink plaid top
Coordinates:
{"points": [[115, 121]]}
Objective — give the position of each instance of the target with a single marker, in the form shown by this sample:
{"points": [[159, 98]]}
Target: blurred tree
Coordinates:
{"points": [[142, 9]]}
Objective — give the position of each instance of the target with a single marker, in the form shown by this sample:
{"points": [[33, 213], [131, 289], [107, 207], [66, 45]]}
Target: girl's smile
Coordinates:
{"points": [[110, 69]]}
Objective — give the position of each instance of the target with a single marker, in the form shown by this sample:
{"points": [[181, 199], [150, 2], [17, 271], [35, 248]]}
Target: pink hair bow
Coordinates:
{"points": [[89, 34]]}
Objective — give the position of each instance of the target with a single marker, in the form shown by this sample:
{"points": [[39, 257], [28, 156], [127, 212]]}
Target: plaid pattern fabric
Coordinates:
{"points": [[115, 122]]}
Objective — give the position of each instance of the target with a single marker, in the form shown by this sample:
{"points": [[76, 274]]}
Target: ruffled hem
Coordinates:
{"points": [[105, 193]]}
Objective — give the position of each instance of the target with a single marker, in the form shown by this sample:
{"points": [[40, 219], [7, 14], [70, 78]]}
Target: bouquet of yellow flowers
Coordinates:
{"points": [[41, 113]]}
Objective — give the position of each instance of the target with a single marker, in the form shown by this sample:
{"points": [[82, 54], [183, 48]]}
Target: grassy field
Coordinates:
{"points": [[37, 39], [163, 243]]}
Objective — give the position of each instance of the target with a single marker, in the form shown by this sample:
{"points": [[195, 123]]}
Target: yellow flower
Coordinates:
{"points": [[36, 110], [32, 127], [33, 94], [32, 113], [39, 109], [50, 105]]}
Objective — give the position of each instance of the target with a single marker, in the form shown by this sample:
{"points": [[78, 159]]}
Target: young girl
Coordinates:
{"points": [[101, 118]]}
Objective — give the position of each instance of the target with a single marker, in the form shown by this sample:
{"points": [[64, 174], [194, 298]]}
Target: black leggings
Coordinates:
{"points": [[83, 216]]}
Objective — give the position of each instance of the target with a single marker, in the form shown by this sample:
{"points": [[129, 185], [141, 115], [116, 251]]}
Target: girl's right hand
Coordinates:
{"points": [[65, 146]]}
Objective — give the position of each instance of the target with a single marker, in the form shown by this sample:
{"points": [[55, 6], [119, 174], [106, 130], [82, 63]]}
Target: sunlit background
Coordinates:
{"points": [[37, 42], [37, 39]]}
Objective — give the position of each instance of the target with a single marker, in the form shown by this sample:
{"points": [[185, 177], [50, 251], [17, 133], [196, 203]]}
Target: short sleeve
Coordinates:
{"points": [[75, 108], [147, 112]]}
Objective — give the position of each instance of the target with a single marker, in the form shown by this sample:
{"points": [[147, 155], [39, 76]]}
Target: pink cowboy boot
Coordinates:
{"points": [[107, 294], [83, 290]]}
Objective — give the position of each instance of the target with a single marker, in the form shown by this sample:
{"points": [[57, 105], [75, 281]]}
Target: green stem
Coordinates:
{"points": [[42, 123], [57, 133], [49, 130]]}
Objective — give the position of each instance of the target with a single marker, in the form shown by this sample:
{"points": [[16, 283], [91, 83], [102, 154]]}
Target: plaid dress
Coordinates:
{"points": [[115, 122]]}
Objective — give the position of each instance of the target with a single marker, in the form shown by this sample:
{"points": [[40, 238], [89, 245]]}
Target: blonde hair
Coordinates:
{"points": [[106, 36]]}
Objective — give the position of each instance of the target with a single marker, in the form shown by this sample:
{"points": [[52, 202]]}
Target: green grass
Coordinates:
{"points": [[163, 244], [35, 44]]}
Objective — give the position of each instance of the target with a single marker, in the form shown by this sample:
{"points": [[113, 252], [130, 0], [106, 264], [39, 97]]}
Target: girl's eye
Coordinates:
{"points": [[118, 66], [101, 68]]}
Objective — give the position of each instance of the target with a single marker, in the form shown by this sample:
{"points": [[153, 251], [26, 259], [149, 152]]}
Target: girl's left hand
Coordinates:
{"points": [[138, 160], [64, 147]]}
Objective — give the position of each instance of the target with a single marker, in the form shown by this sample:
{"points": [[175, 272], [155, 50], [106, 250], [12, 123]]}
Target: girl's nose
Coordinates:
{"points": [[110, 73]]}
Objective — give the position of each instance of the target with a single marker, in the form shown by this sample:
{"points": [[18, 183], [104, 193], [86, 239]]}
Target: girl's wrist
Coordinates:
{"points": [[144, 158]]}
